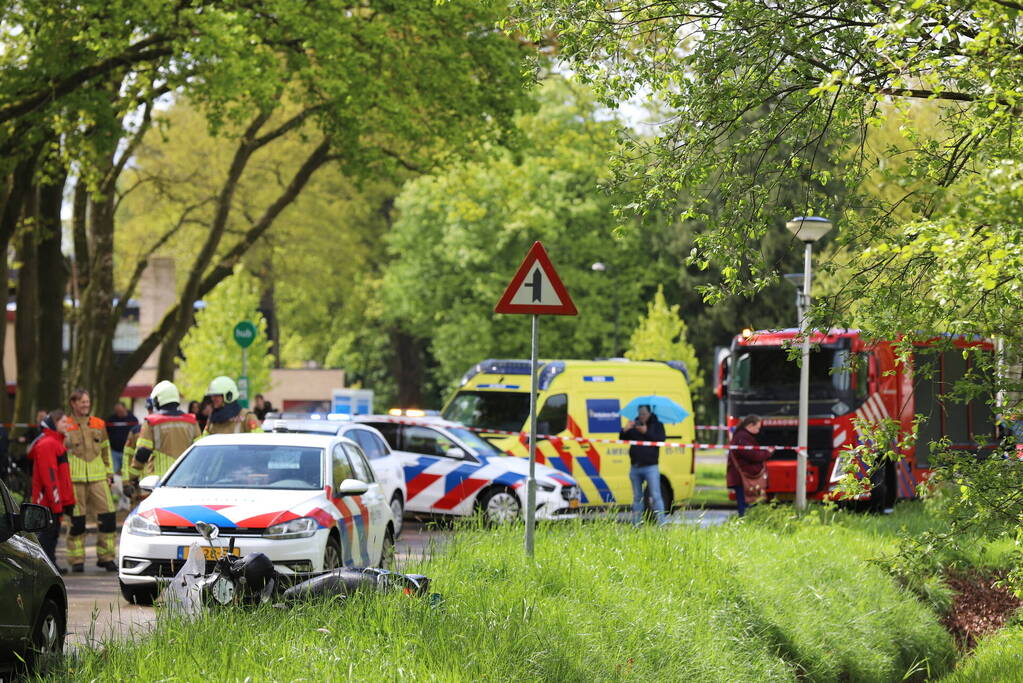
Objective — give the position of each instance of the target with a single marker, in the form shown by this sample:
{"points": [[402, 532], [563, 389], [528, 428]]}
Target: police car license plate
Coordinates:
{"points": [[208, 552], [574, 503]]}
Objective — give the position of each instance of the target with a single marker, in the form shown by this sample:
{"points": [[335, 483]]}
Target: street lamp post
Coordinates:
{"points": [[600, 267], [807, 229]]}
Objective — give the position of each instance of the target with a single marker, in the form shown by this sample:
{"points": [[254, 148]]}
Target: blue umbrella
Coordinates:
{"points": [[666, 410]]}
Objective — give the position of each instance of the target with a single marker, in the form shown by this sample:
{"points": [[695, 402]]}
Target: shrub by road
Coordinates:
{"points": [[602, 601]]}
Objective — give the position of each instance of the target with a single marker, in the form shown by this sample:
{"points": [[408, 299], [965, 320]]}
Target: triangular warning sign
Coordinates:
{"points": [[536, 288]]}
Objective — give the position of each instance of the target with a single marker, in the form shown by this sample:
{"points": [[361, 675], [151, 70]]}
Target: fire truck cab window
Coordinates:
{"points": [[766, 373]]}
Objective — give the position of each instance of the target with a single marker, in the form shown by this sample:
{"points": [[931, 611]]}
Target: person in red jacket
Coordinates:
{"points": [[750, 460], [51, 479]]}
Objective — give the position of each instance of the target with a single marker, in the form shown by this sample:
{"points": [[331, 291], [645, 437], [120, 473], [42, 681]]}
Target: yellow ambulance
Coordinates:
{"points": [[578, 404]]}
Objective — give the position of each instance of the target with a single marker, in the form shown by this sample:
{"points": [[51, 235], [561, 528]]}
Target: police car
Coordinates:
{"points": [[449, 470], [309, 502], [386, 466]]}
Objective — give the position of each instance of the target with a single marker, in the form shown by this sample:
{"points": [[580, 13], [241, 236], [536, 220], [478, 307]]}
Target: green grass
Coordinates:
{"points": [[997, 658], [710, 477], [771, 601]]}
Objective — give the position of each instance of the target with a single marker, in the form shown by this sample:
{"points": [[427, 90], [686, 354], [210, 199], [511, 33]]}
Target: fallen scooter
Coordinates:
{"points": [[252, 580]]}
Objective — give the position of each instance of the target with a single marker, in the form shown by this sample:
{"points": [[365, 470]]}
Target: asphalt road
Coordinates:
{"points": [[97, 612]]}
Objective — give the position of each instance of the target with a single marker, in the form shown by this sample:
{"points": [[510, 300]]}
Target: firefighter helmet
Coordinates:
{"points": [[223, 386], [165, 393]]}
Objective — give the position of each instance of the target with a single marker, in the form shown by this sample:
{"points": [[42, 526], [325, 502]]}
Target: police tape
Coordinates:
{"points": [[586, 439]]}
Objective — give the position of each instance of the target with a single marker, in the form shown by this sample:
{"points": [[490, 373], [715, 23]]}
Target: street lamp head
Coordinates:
{"points": [[809, 228], [795, 279], [598, 267]]}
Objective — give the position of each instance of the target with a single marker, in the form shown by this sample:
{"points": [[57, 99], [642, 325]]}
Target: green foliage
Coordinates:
{"points": [[461, 234], [601, 601], [209, 348], [661, 335]]}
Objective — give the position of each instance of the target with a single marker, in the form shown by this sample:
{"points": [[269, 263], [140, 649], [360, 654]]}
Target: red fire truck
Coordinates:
{"points": [[758, 378]]}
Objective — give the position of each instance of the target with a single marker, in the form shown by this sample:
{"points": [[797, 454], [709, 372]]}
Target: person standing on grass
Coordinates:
{"points": [[644, 460], [750, 460]]}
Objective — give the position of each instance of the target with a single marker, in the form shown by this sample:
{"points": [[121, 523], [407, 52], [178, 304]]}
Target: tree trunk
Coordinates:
{"points": [[53, 276], [18, 187], [95, 324], [407, 368], [26, 321]]}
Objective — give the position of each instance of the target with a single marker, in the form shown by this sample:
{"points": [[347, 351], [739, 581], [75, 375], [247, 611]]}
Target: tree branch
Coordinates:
{"points": [[224, 268], [135, 54]]}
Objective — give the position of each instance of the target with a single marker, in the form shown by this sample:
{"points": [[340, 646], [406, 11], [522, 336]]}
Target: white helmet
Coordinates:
{"points": [[223, 386], [165, 393]]}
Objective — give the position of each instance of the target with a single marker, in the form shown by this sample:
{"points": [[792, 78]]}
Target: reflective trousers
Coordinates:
{"points": [[92, 497]]}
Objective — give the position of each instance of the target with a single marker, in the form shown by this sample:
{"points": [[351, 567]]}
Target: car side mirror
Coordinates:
{"points": [[352, 487], [456, 453], [33, 517], [149, 483]]}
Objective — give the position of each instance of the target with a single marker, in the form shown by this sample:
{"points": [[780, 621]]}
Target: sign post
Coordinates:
{"points": [[535, 290], [244, 335]]}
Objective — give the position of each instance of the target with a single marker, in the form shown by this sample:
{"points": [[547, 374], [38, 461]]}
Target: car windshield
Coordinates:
{"points": [[504, 410], [263, 466], [473, 441]]}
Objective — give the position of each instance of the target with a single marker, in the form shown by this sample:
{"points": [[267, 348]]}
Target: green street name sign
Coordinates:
{"points": [[245, 334]]}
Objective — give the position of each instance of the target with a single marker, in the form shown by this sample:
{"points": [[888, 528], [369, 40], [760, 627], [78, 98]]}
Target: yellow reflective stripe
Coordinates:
{"points": [[82, 471], [161, 462], [145, 443]]}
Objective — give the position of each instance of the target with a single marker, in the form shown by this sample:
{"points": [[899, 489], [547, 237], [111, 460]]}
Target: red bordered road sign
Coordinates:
{"points": [[536, 288]]}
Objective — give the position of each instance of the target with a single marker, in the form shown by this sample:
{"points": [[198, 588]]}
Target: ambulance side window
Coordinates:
{"points": [[553, 417]]}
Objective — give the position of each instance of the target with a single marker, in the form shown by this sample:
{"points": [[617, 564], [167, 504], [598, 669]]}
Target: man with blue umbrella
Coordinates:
{"points": [[644, 460]]}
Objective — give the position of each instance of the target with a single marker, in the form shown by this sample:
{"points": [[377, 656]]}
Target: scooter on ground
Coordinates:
{"points": [[252, 579]]}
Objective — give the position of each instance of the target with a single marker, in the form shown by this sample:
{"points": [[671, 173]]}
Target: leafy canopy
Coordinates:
{"points": [[460, 235]]}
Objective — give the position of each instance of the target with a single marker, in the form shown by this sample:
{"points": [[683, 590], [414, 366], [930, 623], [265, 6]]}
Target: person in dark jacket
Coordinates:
{"points": [[644, 460], [750, 460], [51, 479], [119, 425]]}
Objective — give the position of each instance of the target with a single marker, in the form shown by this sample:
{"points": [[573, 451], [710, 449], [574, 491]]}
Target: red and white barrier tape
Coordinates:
{"points": [[585, 439]]}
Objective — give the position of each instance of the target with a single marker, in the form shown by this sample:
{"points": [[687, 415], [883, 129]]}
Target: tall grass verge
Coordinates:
{"points": [[601, 601]]}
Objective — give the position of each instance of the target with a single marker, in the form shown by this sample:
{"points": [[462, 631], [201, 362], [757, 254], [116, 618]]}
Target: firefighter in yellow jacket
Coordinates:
{"points": [[165, 433], [92, 473], [227, 416]]}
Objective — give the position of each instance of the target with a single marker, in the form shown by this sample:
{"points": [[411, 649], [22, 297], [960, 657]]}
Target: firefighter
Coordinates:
{"points": [[92, 473], [165, 433], [227, 417]]}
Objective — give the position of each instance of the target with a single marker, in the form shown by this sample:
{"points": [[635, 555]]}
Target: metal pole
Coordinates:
{"points": [[804, 387], [531, 481], [614, 351]]}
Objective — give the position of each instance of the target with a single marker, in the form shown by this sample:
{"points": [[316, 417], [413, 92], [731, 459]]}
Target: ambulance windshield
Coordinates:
{"points": [[503, 410]]}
